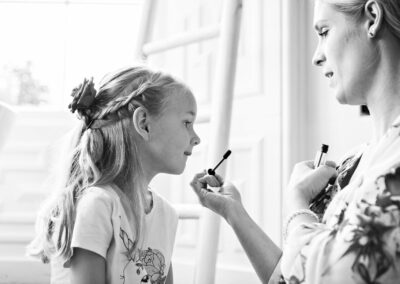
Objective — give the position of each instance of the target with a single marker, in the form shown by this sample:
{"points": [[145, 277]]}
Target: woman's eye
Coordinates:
{"points": [[323, 33], [188, 123]]}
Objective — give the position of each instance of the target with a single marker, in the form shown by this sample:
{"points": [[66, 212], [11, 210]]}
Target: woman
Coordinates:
{"points": [[358, 238]]}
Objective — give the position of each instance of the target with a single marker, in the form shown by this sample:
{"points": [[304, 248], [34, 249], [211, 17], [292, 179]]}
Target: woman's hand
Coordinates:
{"points": [[224, 201], [306, 182]]}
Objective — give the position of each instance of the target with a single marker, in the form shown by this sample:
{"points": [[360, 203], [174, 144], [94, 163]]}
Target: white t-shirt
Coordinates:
{"points": [[102, 226]]}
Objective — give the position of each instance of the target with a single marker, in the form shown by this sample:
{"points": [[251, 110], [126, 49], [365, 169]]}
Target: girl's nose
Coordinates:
{"points": [[196, 140]]}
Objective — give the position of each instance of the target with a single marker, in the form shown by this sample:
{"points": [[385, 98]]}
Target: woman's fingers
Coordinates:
{"points": [[310, 164], [196, 184], [220, 179], [331, 164], [307, 181], [327, 171], [211, 180]]}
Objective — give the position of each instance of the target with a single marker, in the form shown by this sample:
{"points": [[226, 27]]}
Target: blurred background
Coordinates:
{"points": [[283, 108]]}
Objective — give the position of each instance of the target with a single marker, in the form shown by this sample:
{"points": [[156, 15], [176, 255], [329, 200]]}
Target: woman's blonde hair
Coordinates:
{"points": [[105, 154], [355, 9]]}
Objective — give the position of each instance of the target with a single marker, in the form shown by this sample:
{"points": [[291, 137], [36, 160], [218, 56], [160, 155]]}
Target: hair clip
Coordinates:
{"points": [[83, 96]]}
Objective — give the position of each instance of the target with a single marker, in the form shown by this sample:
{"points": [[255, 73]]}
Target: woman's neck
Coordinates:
{"points": [[383, 112], [384, 98]]}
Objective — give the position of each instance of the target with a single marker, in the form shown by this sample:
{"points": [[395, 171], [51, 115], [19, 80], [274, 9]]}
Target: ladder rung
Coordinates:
{"points": [[181, 40], [17, 218], [188, 211]]}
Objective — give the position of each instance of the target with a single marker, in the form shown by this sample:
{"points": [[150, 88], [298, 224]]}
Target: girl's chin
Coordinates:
{"points": [[176, 171]]}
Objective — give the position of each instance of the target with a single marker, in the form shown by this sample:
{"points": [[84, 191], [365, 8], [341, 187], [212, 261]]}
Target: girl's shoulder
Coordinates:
{"points": [[163, 205], [98, 194], [102, 190]]}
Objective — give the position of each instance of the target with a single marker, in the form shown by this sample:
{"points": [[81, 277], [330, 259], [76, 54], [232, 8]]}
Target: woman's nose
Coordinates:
{"points": [[318, 58]]}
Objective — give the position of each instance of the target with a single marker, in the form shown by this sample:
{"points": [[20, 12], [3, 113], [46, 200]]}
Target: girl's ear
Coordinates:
{"points": [[374, 13], [141, 122]]}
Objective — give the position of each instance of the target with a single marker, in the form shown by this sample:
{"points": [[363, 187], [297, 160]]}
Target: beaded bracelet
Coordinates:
{"points": [[294, 215]]}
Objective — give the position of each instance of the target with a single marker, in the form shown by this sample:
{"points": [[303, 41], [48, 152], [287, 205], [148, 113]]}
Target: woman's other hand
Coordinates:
{"points": [[223, 201], [306, 182]]}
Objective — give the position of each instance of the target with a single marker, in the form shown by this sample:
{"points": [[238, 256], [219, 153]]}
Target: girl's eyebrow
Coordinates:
{"points": [[191, 112]]}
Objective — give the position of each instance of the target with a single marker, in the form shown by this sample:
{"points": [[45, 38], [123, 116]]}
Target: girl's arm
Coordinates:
{"points": [[87, 267], [170, 276]]}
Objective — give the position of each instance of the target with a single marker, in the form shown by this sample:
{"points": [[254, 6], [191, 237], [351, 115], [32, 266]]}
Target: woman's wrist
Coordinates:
{"points": [[301, 216], [234, 213], [295, 203]]}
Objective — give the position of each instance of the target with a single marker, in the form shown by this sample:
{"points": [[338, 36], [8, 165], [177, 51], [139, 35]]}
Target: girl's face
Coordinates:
{"points": [[172, 136], [344, 53]]}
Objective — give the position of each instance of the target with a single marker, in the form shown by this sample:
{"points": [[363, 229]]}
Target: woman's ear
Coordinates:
{"points": [[141, 122], [374, 13]]}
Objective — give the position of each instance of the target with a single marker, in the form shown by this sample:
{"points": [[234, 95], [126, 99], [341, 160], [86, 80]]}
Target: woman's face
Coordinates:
{"points": [[344, 53]]}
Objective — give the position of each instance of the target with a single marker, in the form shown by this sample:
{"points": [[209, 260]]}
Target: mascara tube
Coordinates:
{"points": [[320, 157]]}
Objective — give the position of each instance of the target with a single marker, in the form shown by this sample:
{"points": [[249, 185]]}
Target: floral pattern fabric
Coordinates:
{"points": [[149, 262], [358, 240]]}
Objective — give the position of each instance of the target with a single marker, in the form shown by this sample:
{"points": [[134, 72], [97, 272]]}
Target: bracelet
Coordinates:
{"points": [[294, 215]]}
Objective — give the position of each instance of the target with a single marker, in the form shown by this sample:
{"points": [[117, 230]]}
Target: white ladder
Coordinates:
{"points": [[220, 120]]}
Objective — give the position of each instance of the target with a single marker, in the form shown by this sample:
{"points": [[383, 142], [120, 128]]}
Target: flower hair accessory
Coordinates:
{"points": [[83, 97]]}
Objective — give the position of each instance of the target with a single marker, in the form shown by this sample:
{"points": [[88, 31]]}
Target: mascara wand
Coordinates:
{"points": [[226, 155]]}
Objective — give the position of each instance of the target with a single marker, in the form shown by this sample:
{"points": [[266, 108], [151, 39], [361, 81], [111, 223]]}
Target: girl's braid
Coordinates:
{"points": [[114, 105]]}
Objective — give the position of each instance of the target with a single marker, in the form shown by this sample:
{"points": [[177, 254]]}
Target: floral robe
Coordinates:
{"points": [[358, 240]]}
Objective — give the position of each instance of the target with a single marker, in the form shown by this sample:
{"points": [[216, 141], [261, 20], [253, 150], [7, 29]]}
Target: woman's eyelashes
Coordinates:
{"points": [[323, 32]]}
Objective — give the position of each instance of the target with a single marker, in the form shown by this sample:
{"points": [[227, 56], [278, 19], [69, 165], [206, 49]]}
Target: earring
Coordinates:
{"points": [[371, 33]]}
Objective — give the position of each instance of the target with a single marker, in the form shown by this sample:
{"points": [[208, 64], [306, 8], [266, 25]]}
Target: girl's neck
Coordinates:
{"points": [[149, 202], [147, 177]]}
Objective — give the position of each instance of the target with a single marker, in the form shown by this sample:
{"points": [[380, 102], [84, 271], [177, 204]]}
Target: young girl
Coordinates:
{"points": [[105, 225]]}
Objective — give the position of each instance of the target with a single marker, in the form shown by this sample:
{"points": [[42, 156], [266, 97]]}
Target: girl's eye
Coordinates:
{"points": [[188, 123]]}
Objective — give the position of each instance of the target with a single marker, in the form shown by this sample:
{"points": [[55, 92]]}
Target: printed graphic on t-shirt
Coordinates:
{"points": [[149, 262]]}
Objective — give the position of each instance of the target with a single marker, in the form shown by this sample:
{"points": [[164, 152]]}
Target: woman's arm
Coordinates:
{"points": [[264, 255], [87, 267], [170, 276], [359, 243]]}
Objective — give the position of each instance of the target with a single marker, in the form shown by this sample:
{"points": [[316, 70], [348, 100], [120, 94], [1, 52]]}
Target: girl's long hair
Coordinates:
{"points": [[104, 155]]}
